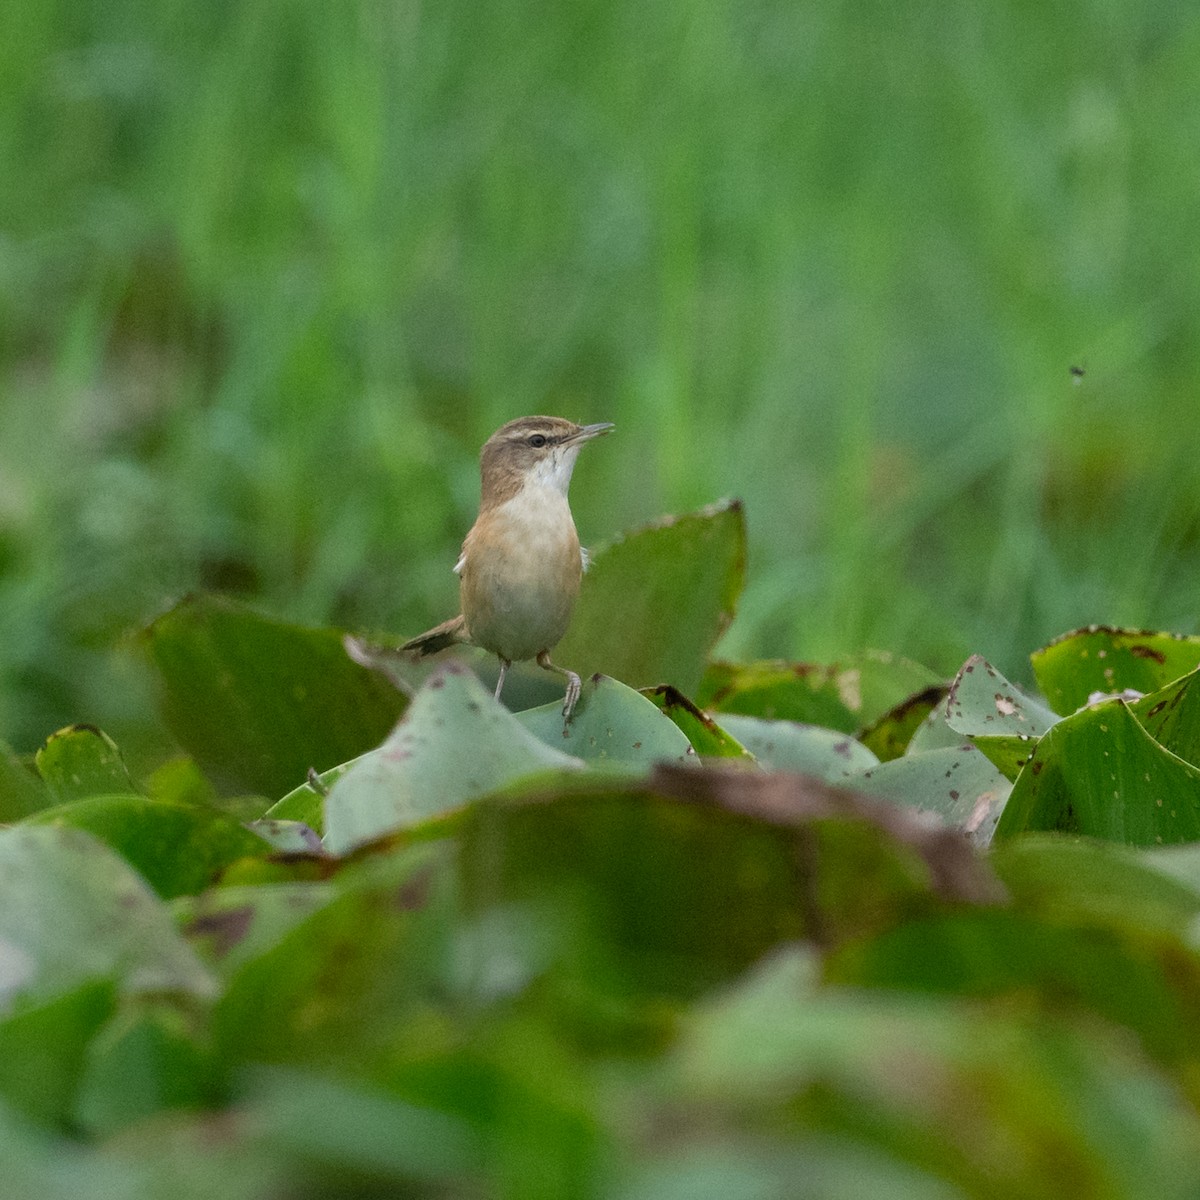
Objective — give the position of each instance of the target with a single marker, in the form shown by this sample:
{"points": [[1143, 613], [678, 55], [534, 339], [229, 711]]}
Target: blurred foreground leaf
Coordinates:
{"points": [[904, 1075], [71, 911], [257, 702]]}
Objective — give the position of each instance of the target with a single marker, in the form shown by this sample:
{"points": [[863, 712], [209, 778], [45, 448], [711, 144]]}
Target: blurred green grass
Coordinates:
{"points": [[271, 271]]}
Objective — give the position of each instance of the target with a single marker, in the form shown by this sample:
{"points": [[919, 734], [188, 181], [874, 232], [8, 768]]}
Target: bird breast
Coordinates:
{"points": [[520, 574]]}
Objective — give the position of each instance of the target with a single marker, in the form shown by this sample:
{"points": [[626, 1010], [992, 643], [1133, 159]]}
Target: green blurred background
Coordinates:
{"points": [[271, 271]]}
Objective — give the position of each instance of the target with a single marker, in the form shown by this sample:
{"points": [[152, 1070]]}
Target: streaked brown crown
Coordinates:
{"points": [[509, 454]]}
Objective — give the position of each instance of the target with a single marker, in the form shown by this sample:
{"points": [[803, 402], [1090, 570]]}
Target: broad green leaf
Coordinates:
{"points": [[655, 601], [72, 911], [257, 702], [180, 781], [1100, 773], [82, 761], [43, 1051], [958, 784], [844, 696], [611, 723], [1000, 719], [888, 736], [1171, 716], [454, 744], [707, 738], [791, 746], [682, 888], [178, 848], [1100, 659], [21, 790]]}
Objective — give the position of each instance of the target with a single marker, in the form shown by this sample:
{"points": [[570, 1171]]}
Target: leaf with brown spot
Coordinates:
{"points": [[1101, 659], [1100, 773], [996, 715]]}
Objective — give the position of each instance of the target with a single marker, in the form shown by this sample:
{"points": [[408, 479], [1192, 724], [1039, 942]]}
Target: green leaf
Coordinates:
{"points": [[958, 784], [72, 911], [1100, 773], [1171, 716], [306, 804], [889, 735], [611, 723], [257, 702], [999, 719], [43, 1051], [82, 761], [454, 744], [844, 696], [791, 746], [178, 848], [655, 601], [1100, 659], [707, 738]]}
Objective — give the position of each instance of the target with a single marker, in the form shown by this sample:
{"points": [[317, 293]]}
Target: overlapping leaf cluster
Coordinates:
{"points": [[720, 937]]}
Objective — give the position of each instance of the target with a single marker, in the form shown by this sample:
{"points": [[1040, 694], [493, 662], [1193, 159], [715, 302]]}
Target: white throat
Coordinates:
{"points": [[554, 471]]}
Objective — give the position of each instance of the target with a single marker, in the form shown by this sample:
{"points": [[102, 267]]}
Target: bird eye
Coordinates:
{"points": [[537, 440]]}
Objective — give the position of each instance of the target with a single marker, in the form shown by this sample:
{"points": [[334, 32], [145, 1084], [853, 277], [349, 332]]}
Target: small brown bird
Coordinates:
{"points": [[521, 563]]}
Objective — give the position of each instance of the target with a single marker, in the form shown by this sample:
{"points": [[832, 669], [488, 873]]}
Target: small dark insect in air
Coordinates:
{"points": [[1077, 373]]}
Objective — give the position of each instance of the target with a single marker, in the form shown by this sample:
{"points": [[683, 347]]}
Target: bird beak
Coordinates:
{"points": [[587, 432]]}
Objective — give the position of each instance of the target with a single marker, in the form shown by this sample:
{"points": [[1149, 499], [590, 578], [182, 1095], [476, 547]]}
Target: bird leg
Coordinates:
{"points": [[504, 665], [573, 683]]}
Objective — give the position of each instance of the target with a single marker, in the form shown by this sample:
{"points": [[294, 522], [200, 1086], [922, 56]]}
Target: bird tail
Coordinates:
{"points": [[448, 633]]}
